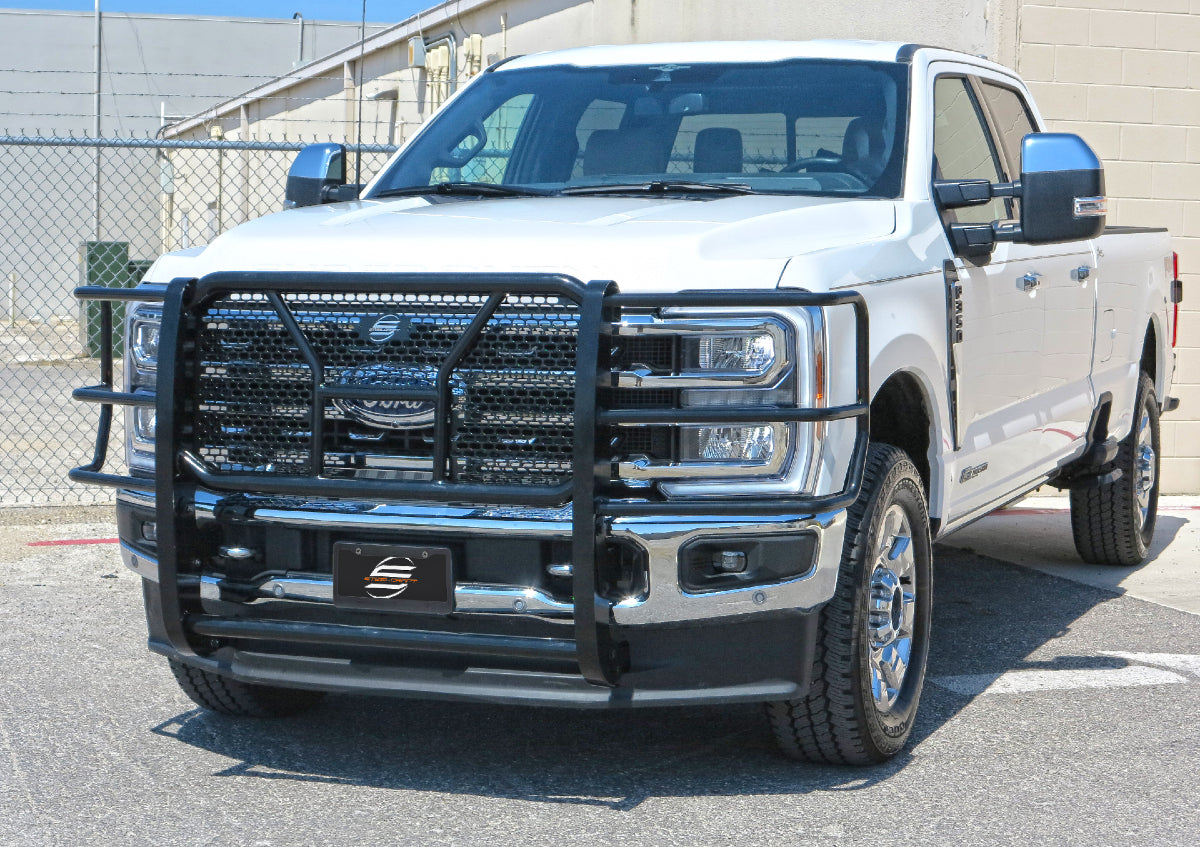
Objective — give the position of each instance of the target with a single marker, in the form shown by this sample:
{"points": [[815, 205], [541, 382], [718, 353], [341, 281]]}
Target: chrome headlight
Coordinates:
{"points": [[721, 361], [141, 375]]}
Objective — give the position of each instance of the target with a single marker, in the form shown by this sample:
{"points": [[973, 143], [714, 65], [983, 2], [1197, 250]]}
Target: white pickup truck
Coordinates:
{"points": [[641, 375]]}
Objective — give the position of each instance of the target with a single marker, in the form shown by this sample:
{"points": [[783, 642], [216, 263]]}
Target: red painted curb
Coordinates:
{"points": [[70, 541]]}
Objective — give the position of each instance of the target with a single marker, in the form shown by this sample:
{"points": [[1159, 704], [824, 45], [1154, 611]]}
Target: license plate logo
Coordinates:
{"points": [[391, 577], [377, 576]]}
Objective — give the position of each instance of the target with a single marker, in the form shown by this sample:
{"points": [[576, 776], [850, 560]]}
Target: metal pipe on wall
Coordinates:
{"points": [[299, 19]]}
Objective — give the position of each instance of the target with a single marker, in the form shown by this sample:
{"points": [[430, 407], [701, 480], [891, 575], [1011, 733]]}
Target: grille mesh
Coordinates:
{"points": [[512, 394]]}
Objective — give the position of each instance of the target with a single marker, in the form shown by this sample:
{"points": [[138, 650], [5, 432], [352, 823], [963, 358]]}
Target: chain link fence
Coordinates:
{"points": [[86, 211]]}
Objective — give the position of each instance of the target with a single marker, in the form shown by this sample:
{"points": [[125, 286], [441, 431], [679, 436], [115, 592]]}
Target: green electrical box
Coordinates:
{"points": [[107, 263]]}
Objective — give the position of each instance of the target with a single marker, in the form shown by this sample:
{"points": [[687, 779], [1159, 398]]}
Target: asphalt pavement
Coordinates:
{"points": [[1061, 709]]}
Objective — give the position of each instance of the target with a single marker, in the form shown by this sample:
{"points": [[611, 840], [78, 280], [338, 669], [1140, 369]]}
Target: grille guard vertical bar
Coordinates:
{"points": [[594, 644], [316, 423], [172, 491], [100, 453], [462, 347]]}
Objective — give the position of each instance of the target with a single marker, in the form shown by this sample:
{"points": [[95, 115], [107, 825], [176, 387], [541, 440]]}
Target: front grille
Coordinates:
{"points": [[512, 391]]}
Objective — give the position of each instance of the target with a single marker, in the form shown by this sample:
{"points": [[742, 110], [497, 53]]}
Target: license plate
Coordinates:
{"points": [[384, 577]]}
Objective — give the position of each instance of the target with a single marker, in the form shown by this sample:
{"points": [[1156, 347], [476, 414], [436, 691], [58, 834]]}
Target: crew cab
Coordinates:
{"points": [[641, 375]]}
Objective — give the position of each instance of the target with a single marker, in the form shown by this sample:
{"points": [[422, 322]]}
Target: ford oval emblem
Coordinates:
{"points": [[387, 414]]}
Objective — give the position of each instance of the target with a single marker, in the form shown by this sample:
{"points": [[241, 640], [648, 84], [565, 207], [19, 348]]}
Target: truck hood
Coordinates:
{"points": [[644, 244]]}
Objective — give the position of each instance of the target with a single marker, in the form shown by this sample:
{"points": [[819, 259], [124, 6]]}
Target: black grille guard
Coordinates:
{"points": [[179, 471]]}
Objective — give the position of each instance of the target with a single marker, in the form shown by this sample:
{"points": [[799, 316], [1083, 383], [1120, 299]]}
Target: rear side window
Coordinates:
{"points": [[962, 146]]}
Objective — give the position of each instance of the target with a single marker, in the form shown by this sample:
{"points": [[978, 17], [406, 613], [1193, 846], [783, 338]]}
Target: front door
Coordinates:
{"points": [[1012, 402]]}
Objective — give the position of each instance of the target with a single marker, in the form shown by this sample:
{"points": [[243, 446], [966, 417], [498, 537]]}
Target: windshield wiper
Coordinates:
{"points": [[463, 189], [664, 186]]}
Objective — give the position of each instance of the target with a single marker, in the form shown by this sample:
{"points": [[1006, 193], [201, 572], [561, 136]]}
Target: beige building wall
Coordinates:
{"points": [[1125, 74]]}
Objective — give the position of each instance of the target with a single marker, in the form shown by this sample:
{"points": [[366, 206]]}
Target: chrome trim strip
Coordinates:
{"points": [[1091, 207], [318, 588], [398, 517], [139, 562], [881, 281], [506, 599]]}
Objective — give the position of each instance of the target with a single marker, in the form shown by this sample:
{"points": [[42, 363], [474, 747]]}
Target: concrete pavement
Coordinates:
{"points": [[1036, 534], [1056, 713]]}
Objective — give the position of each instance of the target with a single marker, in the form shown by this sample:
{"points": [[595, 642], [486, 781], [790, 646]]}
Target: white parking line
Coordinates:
{"points": [[1175, 661], [1016, 682]]}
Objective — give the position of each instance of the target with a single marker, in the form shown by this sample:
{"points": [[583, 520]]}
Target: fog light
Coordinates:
{"points": [[730, 561], [150, 530], [740, 562]]}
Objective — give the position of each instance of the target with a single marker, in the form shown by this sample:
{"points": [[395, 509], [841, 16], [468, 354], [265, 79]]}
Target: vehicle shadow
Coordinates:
{"points": [[611, 760], [990, 616]]}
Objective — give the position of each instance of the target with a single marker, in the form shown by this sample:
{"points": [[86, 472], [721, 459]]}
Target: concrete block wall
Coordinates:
{"points": [[1125, 74]]}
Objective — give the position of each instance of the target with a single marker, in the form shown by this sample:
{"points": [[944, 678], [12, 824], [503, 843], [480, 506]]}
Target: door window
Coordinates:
{"points": [[962, 146]]}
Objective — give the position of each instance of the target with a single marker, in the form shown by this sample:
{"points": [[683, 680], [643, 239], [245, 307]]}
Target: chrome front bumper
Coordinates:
{"points": [[661, 538]]}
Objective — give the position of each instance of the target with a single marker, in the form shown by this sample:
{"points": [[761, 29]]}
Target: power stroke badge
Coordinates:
{"points": [[384, 576]]}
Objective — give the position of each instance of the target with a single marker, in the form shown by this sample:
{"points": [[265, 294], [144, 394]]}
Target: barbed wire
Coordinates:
{"points": [[199, 115], [180, 95], [253, 79], [163, 144], [91, 72], [23, 138]]}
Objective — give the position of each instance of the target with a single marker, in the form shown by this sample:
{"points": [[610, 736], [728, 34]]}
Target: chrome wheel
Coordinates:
{"points": [[1146, 468], [891, 608]]}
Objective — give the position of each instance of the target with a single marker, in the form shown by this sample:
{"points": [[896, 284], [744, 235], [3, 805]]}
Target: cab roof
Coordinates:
{"points": [[700, 52]]}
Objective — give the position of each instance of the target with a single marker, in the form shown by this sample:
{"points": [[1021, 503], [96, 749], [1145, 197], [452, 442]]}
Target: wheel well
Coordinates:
{"points": [[1150, 354], [900, 416]]}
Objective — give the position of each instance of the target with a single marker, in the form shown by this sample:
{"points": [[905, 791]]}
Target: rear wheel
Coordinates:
{"points": [[1113, 522], [240, 699], [873, 639]]}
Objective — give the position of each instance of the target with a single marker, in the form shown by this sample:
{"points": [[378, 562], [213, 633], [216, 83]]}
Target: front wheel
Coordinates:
{"points": [[873, 639]]}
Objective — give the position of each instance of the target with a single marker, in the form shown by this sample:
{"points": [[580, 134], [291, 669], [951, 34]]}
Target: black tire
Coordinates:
{"points": [[841, 720], [240, 699], [1113, 523]]}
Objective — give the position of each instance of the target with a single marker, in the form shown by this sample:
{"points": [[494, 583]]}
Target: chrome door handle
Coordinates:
{"points": [[1030, 281]]}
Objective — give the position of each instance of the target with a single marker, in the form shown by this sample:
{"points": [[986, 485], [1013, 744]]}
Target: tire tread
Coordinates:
{"points": [[239, 699], [1102, 516], [826, 726]]}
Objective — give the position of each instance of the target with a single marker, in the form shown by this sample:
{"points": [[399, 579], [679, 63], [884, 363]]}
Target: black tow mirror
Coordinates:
{"points": [[1061, 190], [318, 175]]}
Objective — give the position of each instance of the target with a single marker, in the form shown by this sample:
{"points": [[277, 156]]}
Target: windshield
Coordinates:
{"points": [[816, 127]]}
